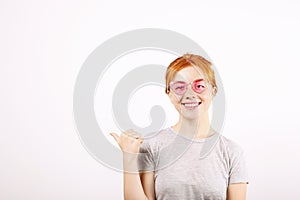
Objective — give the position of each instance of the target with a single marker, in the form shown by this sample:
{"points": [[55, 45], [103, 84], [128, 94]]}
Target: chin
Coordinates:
{"points": [[190, 116]]}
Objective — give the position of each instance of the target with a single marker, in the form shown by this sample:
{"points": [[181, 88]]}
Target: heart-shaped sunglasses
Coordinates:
{"points": [[180, 87]]}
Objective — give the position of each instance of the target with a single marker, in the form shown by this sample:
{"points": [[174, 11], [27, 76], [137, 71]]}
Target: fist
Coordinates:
{"points": [[129, 141]]}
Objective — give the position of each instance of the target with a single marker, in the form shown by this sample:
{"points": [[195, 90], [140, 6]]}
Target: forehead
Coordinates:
{"points": [[189, 74]]}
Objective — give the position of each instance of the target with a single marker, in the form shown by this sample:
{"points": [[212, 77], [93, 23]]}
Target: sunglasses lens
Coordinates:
{"points": [[199, 86], [179, 87]]}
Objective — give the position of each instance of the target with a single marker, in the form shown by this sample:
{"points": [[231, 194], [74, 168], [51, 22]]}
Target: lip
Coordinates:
{"points": [[191, 105]]}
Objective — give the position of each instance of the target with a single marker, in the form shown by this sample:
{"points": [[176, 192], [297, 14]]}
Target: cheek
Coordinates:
{"points": [[202, 96], [205, 96], [175, 100], [206, 99]]}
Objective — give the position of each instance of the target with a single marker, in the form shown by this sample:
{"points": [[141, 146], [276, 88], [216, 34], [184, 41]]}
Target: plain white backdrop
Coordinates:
{"points": [[253, 44]]}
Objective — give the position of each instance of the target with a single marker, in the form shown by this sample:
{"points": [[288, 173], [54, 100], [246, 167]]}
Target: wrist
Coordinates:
{"points": [[130, 162]]}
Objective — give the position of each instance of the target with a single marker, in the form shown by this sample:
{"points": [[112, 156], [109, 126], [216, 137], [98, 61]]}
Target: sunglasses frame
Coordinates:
{"points": [[186, 86]]}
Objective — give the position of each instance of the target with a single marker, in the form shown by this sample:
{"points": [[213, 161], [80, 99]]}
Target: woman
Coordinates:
{"points": [[189, 160]]}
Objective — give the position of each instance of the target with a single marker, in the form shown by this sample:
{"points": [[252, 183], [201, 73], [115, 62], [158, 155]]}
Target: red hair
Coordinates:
{"points": [[188, 60]]}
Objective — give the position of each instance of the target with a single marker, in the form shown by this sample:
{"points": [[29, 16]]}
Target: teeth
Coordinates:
{"points": [[191, 104]]}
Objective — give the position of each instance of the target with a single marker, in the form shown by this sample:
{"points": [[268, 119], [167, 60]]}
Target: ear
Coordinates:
{"points": [[214, 91]]}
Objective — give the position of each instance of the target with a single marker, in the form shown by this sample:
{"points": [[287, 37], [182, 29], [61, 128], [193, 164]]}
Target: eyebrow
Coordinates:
{"points": [[200, 79]]}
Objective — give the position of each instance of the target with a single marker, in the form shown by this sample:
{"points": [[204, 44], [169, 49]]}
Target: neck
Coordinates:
{"points": [[198, 128]]}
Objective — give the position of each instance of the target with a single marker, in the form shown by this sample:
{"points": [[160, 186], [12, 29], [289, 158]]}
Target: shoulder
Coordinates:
{"points": [[232, 148], [236, 161]]}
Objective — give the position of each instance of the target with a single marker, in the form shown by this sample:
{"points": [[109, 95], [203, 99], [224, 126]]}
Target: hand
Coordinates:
{"points": [[129, 141]]}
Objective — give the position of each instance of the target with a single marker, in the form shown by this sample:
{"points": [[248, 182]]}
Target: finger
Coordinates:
{"points": [[126, 137], [134, 136], [129, 132], [116, 137], [140, 140], [132, 133]]}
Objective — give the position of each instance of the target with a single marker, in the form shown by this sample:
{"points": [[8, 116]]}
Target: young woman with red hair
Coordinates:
{"points": [[189, 160]]}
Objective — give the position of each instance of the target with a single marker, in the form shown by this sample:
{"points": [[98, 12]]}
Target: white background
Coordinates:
{"points": [[254, 44]]}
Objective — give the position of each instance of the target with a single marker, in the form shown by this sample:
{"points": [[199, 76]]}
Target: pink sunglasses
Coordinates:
{"points": [[180, 87]]}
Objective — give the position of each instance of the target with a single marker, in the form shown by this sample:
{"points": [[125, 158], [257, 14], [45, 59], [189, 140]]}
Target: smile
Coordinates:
{"points": [[191, 105]]}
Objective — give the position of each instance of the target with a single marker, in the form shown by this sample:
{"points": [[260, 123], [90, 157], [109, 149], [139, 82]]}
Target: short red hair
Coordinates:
{"points": [[188, 60]]}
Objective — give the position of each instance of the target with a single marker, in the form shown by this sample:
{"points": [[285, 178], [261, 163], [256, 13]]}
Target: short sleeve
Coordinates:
{"points": [[238, 168], [145, 158]]}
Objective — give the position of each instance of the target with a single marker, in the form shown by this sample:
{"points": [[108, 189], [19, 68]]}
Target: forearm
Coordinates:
{"points": [[133, 189]]}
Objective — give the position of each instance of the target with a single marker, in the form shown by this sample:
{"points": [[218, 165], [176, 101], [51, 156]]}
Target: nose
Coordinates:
{"points": [[189, 94]]}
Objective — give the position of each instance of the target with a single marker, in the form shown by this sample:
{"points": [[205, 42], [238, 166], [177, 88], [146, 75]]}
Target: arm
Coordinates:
{"points": [[138, 186], [147, 179], [238, 174], [133, 188], [236, 191]]}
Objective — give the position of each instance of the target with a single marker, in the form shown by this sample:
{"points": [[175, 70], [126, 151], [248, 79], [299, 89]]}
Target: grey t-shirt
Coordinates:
{"points": [[192, 169]]}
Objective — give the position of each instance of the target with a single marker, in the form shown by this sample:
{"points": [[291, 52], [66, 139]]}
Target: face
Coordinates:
{"points": [[190, 93]]}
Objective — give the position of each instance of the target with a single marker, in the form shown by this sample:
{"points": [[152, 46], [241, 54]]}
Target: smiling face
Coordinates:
{"points": [[190, 93], [193, 93]]}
